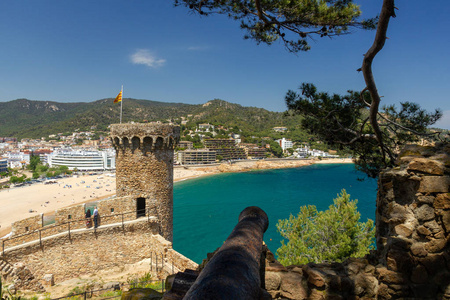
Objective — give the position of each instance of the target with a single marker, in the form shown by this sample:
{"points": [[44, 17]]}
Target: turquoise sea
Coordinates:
{"points": [[206, 209]]}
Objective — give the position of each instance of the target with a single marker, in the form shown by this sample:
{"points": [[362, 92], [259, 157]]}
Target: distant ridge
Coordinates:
{"points": [[23, 118]]}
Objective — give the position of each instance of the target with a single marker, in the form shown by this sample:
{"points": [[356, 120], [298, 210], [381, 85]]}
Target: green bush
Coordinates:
{"points": [[332, 235]]}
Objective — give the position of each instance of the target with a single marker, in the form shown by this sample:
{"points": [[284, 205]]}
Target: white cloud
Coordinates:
{"points": [[145, 57], [444, 122]]}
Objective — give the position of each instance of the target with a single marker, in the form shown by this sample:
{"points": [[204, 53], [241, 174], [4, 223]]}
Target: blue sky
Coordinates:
{"points": [[84, 50]]}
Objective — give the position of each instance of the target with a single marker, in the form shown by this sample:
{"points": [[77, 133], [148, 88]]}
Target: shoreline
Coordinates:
{"points": [[24, 202]]}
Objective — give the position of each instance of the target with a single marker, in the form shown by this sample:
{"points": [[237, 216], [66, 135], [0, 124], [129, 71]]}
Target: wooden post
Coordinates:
{"points": [[40, 239], [151, 260], [3, 247], [69, 229], [156, 262]]}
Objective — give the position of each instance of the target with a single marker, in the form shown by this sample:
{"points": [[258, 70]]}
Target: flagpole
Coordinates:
{"points": [[121, 91]]}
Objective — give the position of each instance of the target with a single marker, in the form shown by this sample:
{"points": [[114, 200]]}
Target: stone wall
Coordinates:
{"points": [[89, 251], [117, 206], [110, 212], [27, 225], [144, 166], [73, 214]]}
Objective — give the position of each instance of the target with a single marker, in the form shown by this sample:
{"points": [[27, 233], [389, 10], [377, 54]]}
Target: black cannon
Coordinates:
{"points": [[234, 271]]}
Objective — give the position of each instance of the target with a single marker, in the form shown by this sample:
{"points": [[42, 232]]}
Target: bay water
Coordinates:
{"points": [[206, 209]]}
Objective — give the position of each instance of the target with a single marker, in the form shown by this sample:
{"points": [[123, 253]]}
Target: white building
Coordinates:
{"points": [[237, 138], [285, 144], [205, 127], [279, 129], [17, 159], [306, 151], [84, 160]]}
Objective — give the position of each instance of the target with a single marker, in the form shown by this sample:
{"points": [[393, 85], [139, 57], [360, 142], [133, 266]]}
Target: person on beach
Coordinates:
{"points": [[88, 218], [95, 217]]}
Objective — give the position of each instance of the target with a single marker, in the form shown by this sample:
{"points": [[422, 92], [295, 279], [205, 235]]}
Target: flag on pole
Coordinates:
{"points": [[118, 98]]}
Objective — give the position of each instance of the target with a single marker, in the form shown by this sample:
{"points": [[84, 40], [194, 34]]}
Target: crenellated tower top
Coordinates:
{"points": [[149, 135]]}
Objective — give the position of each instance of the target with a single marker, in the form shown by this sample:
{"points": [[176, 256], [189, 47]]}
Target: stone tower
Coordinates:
{"points": [[144, 168]]}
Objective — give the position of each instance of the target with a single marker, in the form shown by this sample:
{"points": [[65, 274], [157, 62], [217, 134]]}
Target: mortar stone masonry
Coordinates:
{"points": [[144, 167], [89, 251]]}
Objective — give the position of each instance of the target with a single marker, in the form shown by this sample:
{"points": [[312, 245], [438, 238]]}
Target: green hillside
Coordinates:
{"points": [[24, 118]]}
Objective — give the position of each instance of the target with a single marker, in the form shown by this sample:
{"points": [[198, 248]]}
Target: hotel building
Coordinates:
{"points": [[196, 157], [83, 160]]}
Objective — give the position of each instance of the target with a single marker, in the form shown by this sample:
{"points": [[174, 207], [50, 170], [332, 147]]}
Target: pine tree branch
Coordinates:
{"points": [[387, 11]]}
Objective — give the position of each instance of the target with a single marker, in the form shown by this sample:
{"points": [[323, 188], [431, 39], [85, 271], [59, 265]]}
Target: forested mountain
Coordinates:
{"points": [[24, 118]]}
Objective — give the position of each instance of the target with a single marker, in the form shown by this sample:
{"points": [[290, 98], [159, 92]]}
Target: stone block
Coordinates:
{"points": [[403, 230], [293, 287], [418, 249], [442, 201], [272, 281], [424, 213], [434, 184], [366, 285], [433, 226], [445, 215], [317, 295], [423, 230], [314, 277], [384, 292], [397, 213], [389, 277], [426, 199], [435, 245], [49, 280], [425, 165]]}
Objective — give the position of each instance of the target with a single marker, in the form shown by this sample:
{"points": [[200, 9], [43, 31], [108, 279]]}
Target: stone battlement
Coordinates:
{"points": [[149, 136]]}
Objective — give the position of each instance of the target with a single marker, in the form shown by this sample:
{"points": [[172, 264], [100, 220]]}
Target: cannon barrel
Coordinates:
{"points": [[234, 271]]}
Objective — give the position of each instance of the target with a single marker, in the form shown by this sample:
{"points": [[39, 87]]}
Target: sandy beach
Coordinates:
{"points": [[23, 202]]}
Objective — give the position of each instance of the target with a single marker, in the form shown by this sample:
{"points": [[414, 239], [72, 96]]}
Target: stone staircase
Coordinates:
{"points": [[5, 268], [19, 275]]}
